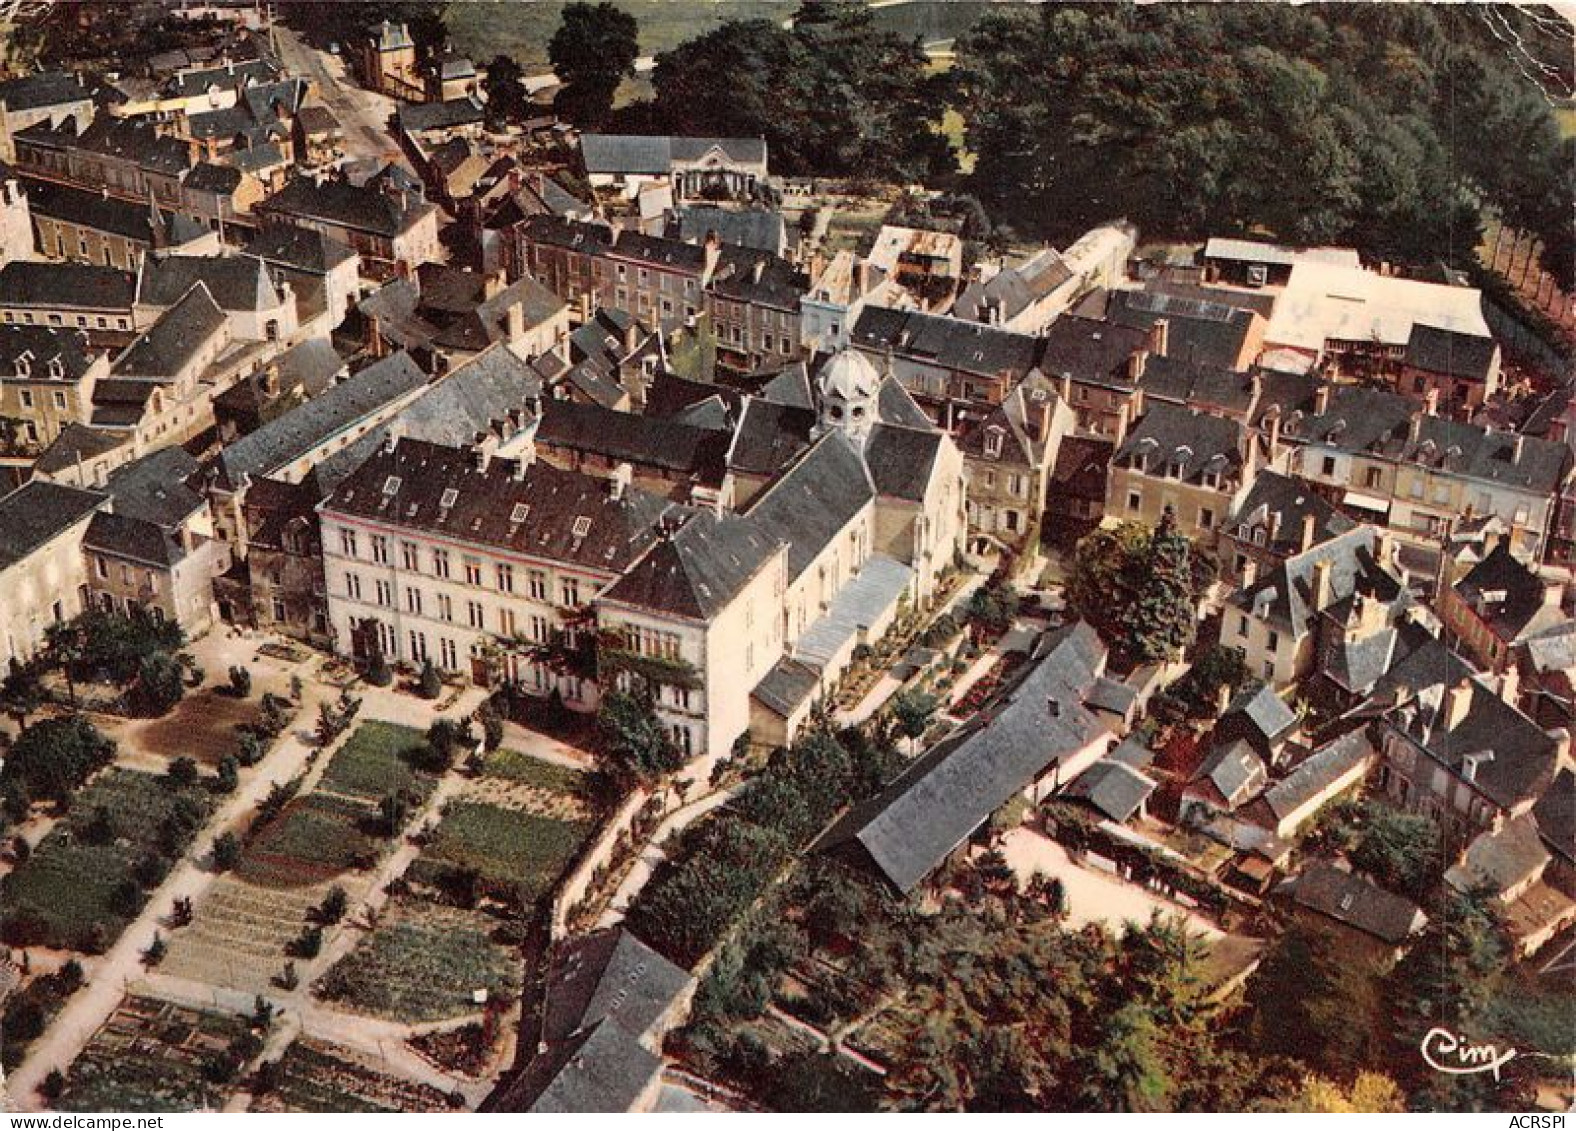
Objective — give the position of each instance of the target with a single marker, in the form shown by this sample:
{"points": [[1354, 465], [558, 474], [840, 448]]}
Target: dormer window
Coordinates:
{"points": [[57, 368], [391, 485], [24, 365], [993, 444], [449, 498], [582, 527]]}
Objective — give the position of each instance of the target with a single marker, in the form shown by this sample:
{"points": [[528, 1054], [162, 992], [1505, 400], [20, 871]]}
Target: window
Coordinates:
{"points": [[582, 527], [100, 566], [418, 645], [445, 607], [683, 739], [538, 583], [60, 400], [1206, 518], [1329, 466], [505, 577], [26, 397], [407, 553], [473, 571], [380, 549], [413, 600], [680, 696], [385, 593], [1273, 641], [279, 608], [1372, 477], [506, 625], [353, 586], [448, 658], [1242, 627], [541, 631], [449, 497], [569, 592], [473, 612], [1015, 486], [1135, 500], [440, 563]]}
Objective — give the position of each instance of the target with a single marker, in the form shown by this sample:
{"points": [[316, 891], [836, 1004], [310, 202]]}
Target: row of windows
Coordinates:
{"points": [[25, 399], [1206, 515], [440, 563], [100, 321]]}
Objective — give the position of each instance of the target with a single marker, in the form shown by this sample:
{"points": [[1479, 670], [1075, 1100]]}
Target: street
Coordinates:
{"points": [[362, 114]]}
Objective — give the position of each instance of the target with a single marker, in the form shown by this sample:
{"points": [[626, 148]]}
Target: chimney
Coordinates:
{"points": [[1122, 424], [1414, 427], [619, 481], [1309, 521], [1516, 448], [1160, 336], [1510, 685], [1321, 400], [1249, 571], [1321, 585], [616, 229], [492, 284], [1562, 745], [1274, 425], [1139, 359], [1458, 703], [1431, 402], [516, 316]]}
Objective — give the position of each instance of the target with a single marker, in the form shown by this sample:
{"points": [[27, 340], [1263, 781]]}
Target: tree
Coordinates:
{"points": [[334, 905], [592, 52], [812, 1081], [1370, 1092], [504, 85], [64, 646], [633, 738], [21, 693], [378, 673], [227, 776], [240, 681], [51, 758], [1402, 851], [431, 683], [1312, 1001], [913, 711], [1138, 588], [159, 685], [226, 852], [182, 773]]}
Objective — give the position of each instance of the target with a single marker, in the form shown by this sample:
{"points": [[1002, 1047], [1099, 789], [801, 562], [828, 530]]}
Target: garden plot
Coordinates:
{"points": [[205, 726], [239, 936], [89, 877], [424, 963], [513, 855], [376, 761], [317, 837], [155, 1056], [517, 781], [317, 1077]]}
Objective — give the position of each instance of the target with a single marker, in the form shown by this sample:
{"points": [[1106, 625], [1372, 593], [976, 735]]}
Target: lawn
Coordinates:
{"points": [[375, 762], [320, 1078], [151, 1056], [514, 766], [203, 726], [422, 964], [66, 894], [510, 851], [316, 838]]}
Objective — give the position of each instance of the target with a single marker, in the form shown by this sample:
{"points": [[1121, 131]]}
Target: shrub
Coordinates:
{"points": [[54, 1085], [182, 773], [378, 673], [226, 852], [430, 683], [308, 944], [51, 758], [156, 950], [334, 905], [240, 681], [159, 684], [250, 750], [228, 775]]}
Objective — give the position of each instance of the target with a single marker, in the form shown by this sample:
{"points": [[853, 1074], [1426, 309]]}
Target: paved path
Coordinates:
{"points": [[652, 856], [363, 115]]}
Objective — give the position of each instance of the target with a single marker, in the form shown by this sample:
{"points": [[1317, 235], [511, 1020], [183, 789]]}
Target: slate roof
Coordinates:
{"points": [[1198, 385], [1013, 289], [894, 405], [1555, 813], [670, 396], [902, 460], [1499, 859], [222, 180], [485, 504], [66, 286], [180, 334], [603, 1070], [1318, 772], [235, 282], [791, 387], [1200, 331], [421, 117], [1235, 771], [1285, 595], [364, 209], [46, 88], [814, 500], [786, 687], [126, 139], [126, 537], [109, 214], [77, 443], [964, 347], [1283, 504], [1194, 443], [646, 154], [1265, 711], [226, 77], [41, 345], [1095, 353], [1081, 468], [1508, 596], [308, 425], [622, 436], [301, 249], [698, 570], [759, 228], [1113, 787], [609, 974], [924, 813], [37, 512], [769, 436], [154, 488], [1450, 353], [1352, 900]]}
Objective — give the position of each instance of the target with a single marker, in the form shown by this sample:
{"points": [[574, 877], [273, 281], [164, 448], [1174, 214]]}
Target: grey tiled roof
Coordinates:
{"points": [[67, 286], [902, 460], [698, 570], [696, 452], [1447, 352], [1194, 443], [1555, 812], [1280, 502], [423, 116], [1113, 787], [180, 334], [966, 347], [637, 154], [1500, 859], [42, 345], [814, 500], [337, 202], [154, 488], [46, 88], [1354, 901], [787, 686], [909, 828], [1508, 596], [1286, 594], [1235, 771], [299, 248], [609, 974], [1318, 771], [37, 512], [235, 282]]}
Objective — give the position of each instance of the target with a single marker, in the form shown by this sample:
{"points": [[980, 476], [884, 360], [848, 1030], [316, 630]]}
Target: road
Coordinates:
{"points": [[362, 114]]}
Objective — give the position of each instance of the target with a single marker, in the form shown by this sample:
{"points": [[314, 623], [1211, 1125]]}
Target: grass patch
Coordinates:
{"points": [[375, 762], [514, 766], [204, 726], [510, 851], [316, 838], [69, 893], [423, 965]]}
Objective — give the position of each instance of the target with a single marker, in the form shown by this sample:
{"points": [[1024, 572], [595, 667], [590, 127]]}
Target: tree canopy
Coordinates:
{"points": [[592, 52], [1385, 126], [1139, 587]]}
